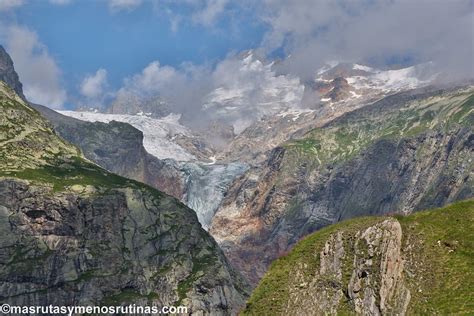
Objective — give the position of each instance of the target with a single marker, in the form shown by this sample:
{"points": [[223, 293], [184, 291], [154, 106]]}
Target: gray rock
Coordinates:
{"points": [[405, 153], [8, 73], [76, 234]]}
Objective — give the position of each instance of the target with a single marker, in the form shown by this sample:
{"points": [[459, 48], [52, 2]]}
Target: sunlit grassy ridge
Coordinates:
{"points": [[438, 246], [26, 139], [30, 150]]}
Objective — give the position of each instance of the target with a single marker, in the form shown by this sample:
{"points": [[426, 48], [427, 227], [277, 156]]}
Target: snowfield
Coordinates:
{"points": [[385, 81]]}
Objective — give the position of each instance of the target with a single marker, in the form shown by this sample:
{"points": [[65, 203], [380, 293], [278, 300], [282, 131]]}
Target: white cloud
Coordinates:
{"points": [[203, 12], [38, 71], [93, 86], [246, 89], [119, 5], [154, 79], [211, 12], [238, 91], [60, 2], [6, 5]]}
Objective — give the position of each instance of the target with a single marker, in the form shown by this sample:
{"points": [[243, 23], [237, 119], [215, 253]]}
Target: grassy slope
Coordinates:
{"points": [[443, 277]]}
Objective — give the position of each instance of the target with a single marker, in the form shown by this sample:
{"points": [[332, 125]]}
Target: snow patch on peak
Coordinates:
{"points": [[295, 113], [362, 67], [389, 80]]}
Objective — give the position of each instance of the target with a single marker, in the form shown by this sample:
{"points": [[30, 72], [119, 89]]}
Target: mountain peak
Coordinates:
{"points": [[8, 73], [343, 81]]}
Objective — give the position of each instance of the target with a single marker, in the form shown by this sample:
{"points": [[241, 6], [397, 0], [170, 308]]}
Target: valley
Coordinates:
{"points": [[300, 191]]}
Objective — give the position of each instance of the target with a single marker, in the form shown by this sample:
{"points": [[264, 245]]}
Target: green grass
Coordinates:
{"points": [[445, 277], [74, 172], [442, 258]]}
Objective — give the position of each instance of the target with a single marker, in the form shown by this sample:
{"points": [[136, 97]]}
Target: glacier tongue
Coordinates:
{"points": [[206, 186]]}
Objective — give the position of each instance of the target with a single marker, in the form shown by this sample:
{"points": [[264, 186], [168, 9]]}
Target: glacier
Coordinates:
{"points": [[205, 183], [206, 186], [158, 133]]}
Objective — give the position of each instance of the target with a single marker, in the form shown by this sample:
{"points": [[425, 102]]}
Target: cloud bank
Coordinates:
{"points": [[94, 88], [383, 33], [304, 33], [380, 32], [236, 91]]}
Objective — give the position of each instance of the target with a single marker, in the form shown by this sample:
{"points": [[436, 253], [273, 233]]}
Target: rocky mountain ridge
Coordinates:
{"points": [[74, 233], [404, 153], [364, 151], [119, 148]]}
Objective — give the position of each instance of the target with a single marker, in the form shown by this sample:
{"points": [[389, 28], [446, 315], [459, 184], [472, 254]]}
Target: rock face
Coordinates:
{"points": [[378, 249], [75, 234], [8, 73], [128, 103], [335, 90], [374, 266], [404, 153], [124, 246]]}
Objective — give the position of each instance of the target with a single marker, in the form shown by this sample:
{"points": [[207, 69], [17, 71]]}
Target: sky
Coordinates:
{"points": [[72, 53]]}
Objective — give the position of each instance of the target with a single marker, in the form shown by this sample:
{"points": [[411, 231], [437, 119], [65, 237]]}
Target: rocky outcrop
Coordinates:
{"points": [[75, 234], [404, 153], [321, 296], [86, 247], [376, 285], [335, 90], [8, 73]]}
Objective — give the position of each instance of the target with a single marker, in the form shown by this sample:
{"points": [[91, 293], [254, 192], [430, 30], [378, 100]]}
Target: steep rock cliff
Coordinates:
{"points": [[8, 73]]}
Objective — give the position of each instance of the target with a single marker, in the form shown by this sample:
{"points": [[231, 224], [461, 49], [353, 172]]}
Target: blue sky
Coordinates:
{"points": [[83, 36], [74, 52]]}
